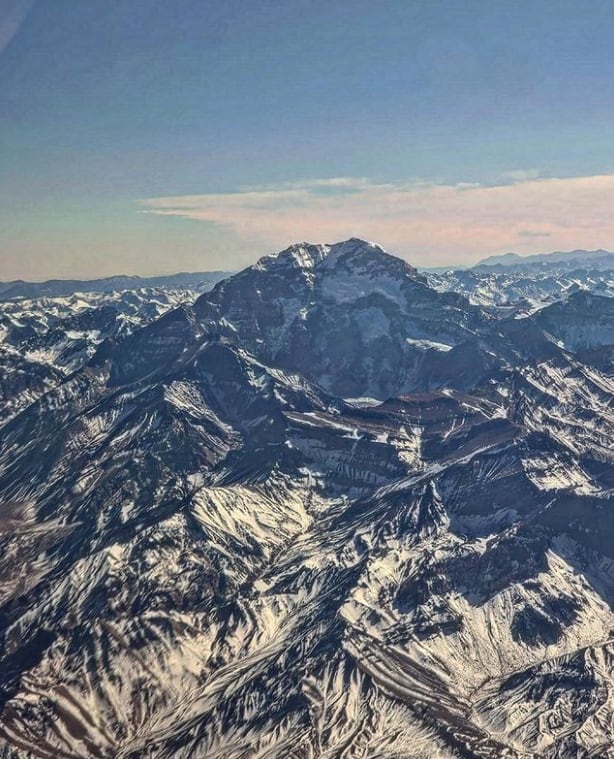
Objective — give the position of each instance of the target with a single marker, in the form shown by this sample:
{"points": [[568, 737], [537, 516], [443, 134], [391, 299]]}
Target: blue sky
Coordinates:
{"points": [[144, 136]]}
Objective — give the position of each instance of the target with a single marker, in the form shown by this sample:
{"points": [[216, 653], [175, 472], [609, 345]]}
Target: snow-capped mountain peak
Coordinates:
{"points": [[354, 255]]}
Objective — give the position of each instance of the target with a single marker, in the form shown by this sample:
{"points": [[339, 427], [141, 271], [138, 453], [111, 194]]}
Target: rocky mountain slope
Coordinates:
{"points": [[323, 511], [44, 339]]}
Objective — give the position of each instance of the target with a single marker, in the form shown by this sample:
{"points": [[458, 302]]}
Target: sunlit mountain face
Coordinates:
{"points": [[328, 506]]}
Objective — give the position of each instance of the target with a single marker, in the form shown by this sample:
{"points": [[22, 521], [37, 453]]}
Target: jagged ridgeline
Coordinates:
{"points": [[327, 508]]}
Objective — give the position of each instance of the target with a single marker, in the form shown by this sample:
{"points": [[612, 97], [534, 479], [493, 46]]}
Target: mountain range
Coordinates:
{"points": [[56, 288], [330, 506], [524, 284], [569, 260]]}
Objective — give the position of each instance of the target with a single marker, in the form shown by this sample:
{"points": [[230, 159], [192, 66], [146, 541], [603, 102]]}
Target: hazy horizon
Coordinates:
{"points": [[139, 138], [172, 272]]}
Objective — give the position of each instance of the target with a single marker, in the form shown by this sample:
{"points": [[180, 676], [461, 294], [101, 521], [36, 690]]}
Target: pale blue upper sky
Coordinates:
{"points": [[112, 110]]}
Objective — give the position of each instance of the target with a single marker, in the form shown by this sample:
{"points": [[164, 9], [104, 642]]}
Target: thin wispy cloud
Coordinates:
{"points": [[518, 175], [427, 222], [532, 233], [12, 15]]}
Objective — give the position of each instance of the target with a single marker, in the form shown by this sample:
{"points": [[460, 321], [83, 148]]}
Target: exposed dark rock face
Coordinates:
{"points": [[351, 317]]}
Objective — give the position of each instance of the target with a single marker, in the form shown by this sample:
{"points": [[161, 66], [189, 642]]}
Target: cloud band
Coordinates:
{"points": [[428, 223]]}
